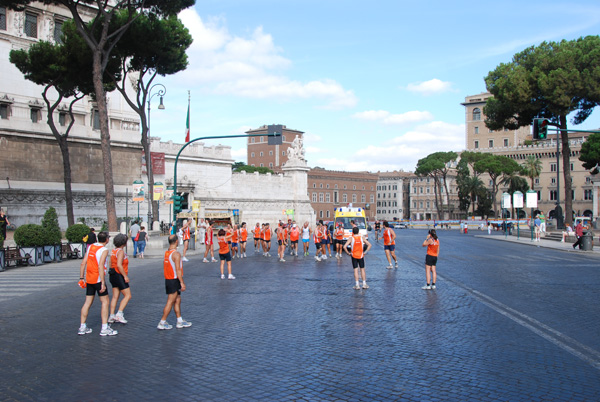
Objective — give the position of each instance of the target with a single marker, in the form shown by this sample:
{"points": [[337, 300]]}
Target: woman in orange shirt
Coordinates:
{"points": [[433, 249], [281, 241], [243, 240], [119, 279], [223, 238]]}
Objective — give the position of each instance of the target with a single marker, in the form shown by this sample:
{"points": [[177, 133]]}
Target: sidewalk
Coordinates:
{"points": [[525, 238]]}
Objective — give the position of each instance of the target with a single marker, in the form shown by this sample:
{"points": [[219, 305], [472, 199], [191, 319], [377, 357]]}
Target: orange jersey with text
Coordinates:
{"points": [[93, 263], [113, 261], [339, 234], [356, 245], [244, 234], [223, 245], [434, 248], [169, 265]]}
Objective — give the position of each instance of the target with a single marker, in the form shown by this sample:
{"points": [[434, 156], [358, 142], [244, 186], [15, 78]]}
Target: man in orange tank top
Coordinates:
{"points": [[389, 244], [235, 240], [294, 237], [281, 241], [243, 240], [119, 279], [208, 243], [174, 285], [267, 240], [339, 240], [357, 246], [94, 265], [186, 238]]}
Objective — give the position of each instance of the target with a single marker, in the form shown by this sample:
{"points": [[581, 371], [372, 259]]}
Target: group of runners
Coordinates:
{"points": [[232, 242]]}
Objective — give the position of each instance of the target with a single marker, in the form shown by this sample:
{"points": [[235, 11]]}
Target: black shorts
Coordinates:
{"points": [[280, 242], [172, 286], [93, 288], [294, 241], [267, 242], [242, 241], [358, 262], [226, 256], [118, 281], [430, 260], [318, 245], [391, 247]]}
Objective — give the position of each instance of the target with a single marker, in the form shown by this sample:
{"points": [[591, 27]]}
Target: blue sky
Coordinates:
{"points": [[374, 85]]}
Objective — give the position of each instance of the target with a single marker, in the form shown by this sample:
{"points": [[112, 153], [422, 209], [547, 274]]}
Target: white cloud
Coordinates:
{"points": [[386, 117], [431, 87], [240, 154], [250, 66]]}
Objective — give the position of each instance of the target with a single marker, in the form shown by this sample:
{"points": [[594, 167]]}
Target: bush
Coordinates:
{"points": [[30, 235], [51, 228], [77, 232]]}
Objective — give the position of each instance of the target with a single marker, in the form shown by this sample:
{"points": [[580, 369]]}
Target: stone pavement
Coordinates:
{"points": [[297, 331], [525, 239]]}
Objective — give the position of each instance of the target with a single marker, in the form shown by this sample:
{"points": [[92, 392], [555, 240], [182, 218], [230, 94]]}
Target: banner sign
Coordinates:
{"points": [[158, 162], [168, 195], [159, 189], [138, 191]]}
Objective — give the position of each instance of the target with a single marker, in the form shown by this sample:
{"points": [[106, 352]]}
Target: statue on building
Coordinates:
{"points": [[296, 151]]}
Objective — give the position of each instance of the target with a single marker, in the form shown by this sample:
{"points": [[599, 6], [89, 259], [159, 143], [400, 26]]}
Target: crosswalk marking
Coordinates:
{"points": [[23, 281]]}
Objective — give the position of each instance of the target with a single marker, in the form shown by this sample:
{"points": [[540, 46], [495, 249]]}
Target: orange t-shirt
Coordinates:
{"points": [[113, 261], [339, 234], [223, 245], [280, 234], [388, 240], [357, 246], [169, 265], [267, 234], [93, 263], [294, 234], [434, 248], [186, 233], [235, 237], [244, 233]]}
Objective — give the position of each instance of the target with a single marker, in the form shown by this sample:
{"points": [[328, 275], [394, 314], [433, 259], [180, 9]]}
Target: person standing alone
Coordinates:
{"points": [[174, 285], [433, 249]]}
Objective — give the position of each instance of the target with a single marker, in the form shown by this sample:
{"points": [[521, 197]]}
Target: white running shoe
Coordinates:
{"points": [[108, 332], [120, 319], [396, 264], [324, 257], [433, 287], [245, 256], [183, 324], [282, 260], [268, 255], [213, 260], [222, 276], [317, 258], [365, 286], [231, 276], [184, 259], [205, 260], [111, 319], [389, 267], [426, 287], [356, 287], [166, 325], [84, 330]]}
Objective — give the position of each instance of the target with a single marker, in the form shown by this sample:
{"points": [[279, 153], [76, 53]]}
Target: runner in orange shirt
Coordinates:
{"points": [[119, 279], [256, 234], [389, 244], [433, 250], [235, 239], [339, 240], [243, 240], [209, 243], [281, 241], [317, 237], [359, 246], [94, 266], [174, 285], [326, 242], [267, 240], [186, 238], [224, 254], [294, 237]]}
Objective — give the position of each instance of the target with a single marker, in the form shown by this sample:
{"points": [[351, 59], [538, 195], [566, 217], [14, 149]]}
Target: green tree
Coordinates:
{"points": [[242, 167], [101, 41], [50, 227], [550, 81], [515, 183], [437, 166], [496, 166], [532, 168], [470, 189], [590, 153]]}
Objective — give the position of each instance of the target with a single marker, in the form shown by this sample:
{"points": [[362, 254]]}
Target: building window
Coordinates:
{"points": [[327, 197], [262, 165], [35, 114], [588, 180], [252, 140], [58, 27], [62, 119], [414, 204], [553, 167], [261, 153], [345, 187], [336, 197], [372, 198], [31, 29], [552, 195], [553, 180], [491, 144], [476, 114], [270, 153], [421, 190], [537, 180], [353, 187], [420, 204], [271, 164], [282, 153], [252, 154], [283, 137], [363, 198], [539, 195], [587, 195], [328, 214], [506, 142], [476, 144], [428, 204], [321, 185], [335, 186], [252, 164], [321, 197], [320, 214], [344, 198], [353, 197], [3, 18], [3, 111], [327, 186], [476, 129], [261, 139], [314, 185], [572, 167], [95, 119], [314, 197], [364, 188], [414, 190]]}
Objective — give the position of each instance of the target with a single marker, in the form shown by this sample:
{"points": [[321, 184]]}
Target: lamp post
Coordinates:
{"points": [[161, 91]]}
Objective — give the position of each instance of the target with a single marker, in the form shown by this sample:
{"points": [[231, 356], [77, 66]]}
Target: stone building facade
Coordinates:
{"points": [[392, 195], [329, 189], [517, 144], [261, 154]]}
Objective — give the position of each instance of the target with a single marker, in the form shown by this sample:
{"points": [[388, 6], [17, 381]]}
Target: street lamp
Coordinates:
{"points": [[161, 91]]}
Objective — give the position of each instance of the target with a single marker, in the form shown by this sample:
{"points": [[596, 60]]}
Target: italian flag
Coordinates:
{"points": [[187, 124]]}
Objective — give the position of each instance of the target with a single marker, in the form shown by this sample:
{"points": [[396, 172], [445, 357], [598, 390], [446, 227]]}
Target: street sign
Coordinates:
{"points": [[531, 199], [518, 199], [506, 200]]}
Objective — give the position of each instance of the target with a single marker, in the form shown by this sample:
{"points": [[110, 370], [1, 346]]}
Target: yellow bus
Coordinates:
{"points": [[348, 215]]}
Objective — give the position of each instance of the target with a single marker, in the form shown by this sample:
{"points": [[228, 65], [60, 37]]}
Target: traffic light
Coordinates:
{"points": [[177, 204], [540, 129], [274, 134]]}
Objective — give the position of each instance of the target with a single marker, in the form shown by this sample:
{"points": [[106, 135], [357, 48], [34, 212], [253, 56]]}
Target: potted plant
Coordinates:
{"points": [[30, 238], [53, 236], [75, 235]]}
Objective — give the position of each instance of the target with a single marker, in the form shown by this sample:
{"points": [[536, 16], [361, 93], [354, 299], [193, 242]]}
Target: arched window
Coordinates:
{"points": [[476, 114]]}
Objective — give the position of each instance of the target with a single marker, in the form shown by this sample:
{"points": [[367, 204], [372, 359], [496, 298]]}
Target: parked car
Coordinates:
{"points": [[401, 225]]}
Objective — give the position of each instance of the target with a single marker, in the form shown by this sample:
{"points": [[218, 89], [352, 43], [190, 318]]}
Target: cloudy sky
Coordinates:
{"points": [[374, 85]]}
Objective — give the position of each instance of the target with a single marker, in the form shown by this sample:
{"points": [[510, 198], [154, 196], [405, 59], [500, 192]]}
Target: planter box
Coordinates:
{"points": [[79, 247], [36, 254], [57, 253], [49, 253]]}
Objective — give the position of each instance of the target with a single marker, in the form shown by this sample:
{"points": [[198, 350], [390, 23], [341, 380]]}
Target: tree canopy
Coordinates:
{"points": [[549, 81], [590, 153], [437, 166]]}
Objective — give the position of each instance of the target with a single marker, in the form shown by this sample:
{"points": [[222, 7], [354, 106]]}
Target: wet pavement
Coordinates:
{"points": [[507, 322]]}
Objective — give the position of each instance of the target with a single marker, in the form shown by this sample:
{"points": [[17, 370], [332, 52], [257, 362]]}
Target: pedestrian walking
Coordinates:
{"points": [[433, 249], [119, 279], [141, 242], [224, 253], [243, 240], [174, 285], [306, 233], [208, 243], [389, 244], [186, 238], [133, 232], [3, 223], [93, 270], [294, 236], [579, 235], [357, 246]]}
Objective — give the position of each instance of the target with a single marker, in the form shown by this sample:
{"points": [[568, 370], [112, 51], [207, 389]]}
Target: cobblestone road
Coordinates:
{"points": [[508, 322]]}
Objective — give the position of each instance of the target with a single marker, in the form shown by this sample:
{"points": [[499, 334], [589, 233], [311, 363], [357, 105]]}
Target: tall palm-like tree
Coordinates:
{"points": [[532, 167]]}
